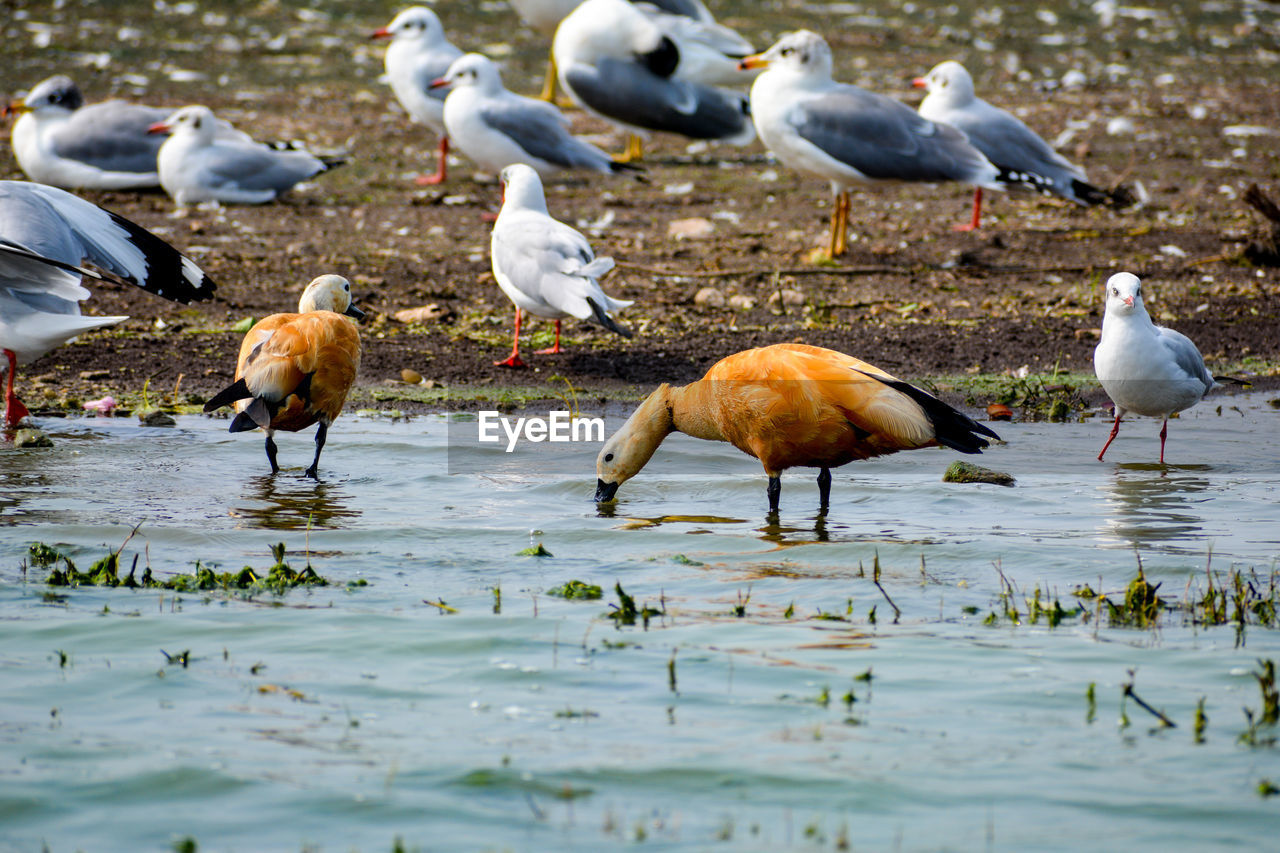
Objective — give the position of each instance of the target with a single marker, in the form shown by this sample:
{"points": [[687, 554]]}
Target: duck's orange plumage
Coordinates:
{"points": [[296, 370], [790, 405]]}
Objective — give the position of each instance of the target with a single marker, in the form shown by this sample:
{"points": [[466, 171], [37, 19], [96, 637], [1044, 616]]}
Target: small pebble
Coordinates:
{"points": [[155, 418], [999, 412], [31, 438], [742, 302], [694, 228], [410, 376], [709, 297], [967, 472]]}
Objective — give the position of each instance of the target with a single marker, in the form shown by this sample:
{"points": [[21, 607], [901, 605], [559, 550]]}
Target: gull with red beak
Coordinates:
{"points": [[196, 164], [496, 127], [544, 266], [848, 135], [1002, 137], [418, 54], [1144, 368]]}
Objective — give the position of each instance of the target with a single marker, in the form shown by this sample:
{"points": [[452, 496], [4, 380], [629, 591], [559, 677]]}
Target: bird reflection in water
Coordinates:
{"points": [[283, 503], [785, 536], [1152, 502]]}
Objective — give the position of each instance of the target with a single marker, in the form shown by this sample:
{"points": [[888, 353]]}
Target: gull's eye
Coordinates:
{"points": [[787, 51], [1115, 291]]}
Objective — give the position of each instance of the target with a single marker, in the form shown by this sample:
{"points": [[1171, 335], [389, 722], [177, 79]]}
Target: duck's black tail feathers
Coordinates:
{"points": [[951, 427]]}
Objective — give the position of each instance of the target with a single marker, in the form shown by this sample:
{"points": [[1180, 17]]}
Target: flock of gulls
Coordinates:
{"points": [[656, 66]]}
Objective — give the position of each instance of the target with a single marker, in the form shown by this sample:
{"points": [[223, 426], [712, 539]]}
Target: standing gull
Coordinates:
{"points": [[1144, 368], [544, 266], [617, 63], [496, 127], [1002, 137], [45, 234], [61, 141], [198, 165], [848, 135], [418, 54], [296, 370]]}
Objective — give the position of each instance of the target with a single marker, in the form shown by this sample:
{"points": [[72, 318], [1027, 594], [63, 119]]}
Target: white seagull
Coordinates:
{"points": [[45, 235], [695, 24], [496, 127], [58, 140], [1002, 137], [848, 135], [419, 54], [544, 266], [1144, 368], [617, 63], [197, 164]]}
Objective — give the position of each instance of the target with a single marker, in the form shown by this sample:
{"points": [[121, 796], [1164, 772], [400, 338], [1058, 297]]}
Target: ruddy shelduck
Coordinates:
{"points": [[790, 405], [296, 369]]}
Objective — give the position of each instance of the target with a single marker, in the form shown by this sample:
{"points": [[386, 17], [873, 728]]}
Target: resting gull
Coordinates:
{"points": [[617, 63], [198, 165], [61, 141]]}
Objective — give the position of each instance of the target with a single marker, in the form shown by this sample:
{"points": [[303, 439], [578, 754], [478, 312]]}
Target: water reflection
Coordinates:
{"points": [[1149, 502], [282, 502], [786, 536]]}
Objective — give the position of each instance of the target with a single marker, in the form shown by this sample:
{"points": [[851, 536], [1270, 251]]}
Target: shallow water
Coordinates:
{"points": [[545, 725]]}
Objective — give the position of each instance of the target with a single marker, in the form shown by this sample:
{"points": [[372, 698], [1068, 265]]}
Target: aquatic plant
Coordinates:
{"points": [[576, 589], [105, 572]]}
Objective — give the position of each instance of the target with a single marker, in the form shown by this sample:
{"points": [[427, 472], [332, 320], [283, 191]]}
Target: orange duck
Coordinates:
{"points": [[296, 369], [790, 405]]}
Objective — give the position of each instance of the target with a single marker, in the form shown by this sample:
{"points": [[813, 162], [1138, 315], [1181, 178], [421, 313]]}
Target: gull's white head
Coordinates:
{"points": [[947, 81], [194, 121], [803, 53], [416, 24], [329, 293], [52, 96], [522, 188], [472, 69], [1124, 295]]}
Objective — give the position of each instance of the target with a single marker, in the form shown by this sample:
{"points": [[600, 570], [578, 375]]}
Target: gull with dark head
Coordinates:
{"points": [[61, 141], [1003, 138], [848, 135], [419, 54], [45, 235], [544, 266], [1144, 368]]}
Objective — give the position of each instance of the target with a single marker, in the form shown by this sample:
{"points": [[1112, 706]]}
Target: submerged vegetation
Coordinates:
{"points": [[277, 579], [1238, 597]]}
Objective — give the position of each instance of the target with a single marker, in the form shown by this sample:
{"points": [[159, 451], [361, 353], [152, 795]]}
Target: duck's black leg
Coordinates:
{"points": [[774, 490], [321, 432], [271, 454], [824, 487]]}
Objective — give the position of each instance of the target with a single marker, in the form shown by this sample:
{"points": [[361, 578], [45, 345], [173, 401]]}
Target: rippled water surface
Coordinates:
{"points": [[342, 717]]}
